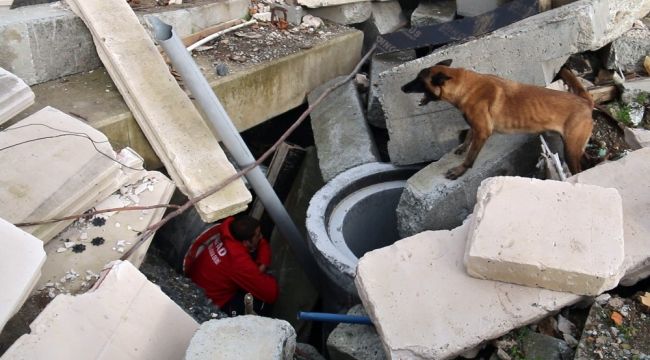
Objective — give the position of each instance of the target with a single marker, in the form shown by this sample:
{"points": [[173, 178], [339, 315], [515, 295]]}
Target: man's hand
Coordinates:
{"points": [[262, 268]]}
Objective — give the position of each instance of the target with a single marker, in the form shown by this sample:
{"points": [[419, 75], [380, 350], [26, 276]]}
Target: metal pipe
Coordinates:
{"points": [[226, 131], [334, 318]]}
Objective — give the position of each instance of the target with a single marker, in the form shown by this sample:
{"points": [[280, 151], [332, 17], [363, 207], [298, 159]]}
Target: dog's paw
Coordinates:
{"points": [[456, 172]]}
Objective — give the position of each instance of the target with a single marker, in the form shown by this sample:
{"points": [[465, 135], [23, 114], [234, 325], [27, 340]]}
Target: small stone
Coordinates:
{"points": [[97, 241], [68, 244], [603, 298], [626, 346], [616, 302], [222, 69], [83, 236], [79, 248], [617, 318], [61, 249]]}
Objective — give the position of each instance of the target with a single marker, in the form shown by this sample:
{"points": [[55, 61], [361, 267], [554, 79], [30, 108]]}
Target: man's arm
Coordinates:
{"points": [[248, 276], [263, 258]]}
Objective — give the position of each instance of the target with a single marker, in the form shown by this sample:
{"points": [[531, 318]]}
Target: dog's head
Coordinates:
{"points": [[430, 82]]}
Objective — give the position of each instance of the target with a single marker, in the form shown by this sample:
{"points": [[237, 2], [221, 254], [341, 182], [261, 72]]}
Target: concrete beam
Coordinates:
{"points": [[432, 202], [40, 43], [549, 234], [341, 133], [529, 51], [425, 306]]}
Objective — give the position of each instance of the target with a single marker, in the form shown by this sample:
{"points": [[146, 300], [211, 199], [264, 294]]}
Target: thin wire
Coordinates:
{"points": [[65, 133]]}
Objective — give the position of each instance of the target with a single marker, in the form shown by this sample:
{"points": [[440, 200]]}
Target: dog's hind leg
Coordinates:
{"points": [[576, 136]]}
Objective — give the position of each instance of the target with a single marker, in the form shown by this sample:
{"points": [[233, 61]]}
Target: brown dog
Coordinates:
{"points": [[490, 103]]}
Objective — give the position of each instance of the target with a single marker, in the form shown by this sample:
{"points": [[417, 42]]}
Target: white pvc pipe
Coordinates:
{"points": [[215, 35], [226, 131]]}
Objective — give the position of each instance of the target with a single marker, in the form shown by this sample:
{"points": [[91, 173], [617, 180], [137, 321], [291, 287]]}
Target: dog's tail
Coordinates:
{"points": [[575, 86]]}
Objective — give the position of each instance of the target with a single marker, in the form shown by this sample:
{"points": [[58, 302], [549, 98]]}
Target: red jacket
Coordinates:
{"points": [[226, 266]]}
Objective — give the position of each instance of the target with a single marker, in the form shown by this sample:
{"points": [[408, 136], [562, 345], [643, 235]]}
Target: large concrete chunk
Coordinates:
{"points": [[628, 175], [355, 341], [430, 201], [243, 337], [342, 136], [345, 14], [425, 306], [15, 95], [529, 51], [75, 166], [124, 317], [380, 63], [550, 234], [172, 124], [470, 8], [628, 51], [21, 259], [386, 17], [433, 12]]}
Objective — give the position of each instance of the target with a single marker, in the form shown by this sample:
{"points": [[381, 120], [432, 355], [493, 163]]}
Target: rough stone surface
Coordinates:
{"points": [[44, 42], [386, 17], [21, 259], [323, 3], [342, 136], [433, 12], [355, 341], [345, 14], [540, 346], [306, 352], [549, 234], [470, 8], [629, 50], [425, 306], [637, 138], [15, 95], [529, 51], [432, 202], [243, 337], [627, 176], [380, 63], [115, 320]]}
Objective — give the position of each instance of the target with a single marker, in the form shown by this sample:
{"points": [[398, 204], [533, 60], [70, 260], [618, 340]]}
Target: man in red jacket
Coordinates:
{"points": [[233, 263]]}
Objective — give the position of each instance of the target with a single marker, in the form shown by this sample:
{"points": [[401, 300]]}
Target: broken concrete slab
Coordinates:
{"points": [[529, 51], [380, 63], [243, 337], [21, 260], [341, 133], [188, 148], [470, 8], [387, 16], [77, 161], [324, 3], [112, 321], [433, 12], [430, 201], [81, 251], [628, 51], [637, 138], [355, 341], [625, 176], [345, 14], [440, 318], [15, 95], [549, 234], [44, 42]]}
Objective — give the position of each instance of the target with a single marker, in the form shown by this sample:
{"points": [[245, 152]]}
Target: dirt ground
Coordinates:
{"points": [[607, 140]]}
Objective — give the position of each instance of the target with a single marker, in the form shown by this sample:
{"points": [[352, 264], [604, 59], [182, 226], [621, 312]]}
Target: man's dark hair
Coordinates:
{"points": [[243, 227]]}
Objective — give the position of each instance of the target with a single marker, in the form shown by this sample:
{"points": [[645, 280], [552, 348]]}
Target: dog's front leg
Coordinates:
{"points": [[477, 141], [463, 147]]}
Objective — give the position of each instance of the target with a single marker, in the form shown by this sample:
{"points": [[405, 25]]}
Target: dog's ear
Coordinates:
{"points": [[445, 62], [439, 79]]}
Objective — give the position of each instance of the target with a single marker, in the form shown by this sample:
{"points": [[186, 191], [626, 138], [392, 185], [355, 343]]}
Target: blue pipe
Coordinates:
{"points": [[335, 318]]}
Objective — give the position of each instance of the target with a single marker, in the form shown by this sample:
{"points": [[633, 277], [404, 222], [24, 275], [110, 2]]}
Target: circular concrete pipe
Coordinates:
{"points": [[352, 214]]}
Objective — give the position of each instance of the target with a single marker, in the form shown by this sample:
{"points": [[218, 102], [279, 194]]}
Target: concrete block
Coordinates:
{"points": [[124, 317], [345, 14], [432, 202], [15, 95], [469, 8], [380, 63], [529, 51], [21, 259], [355, 341], [433, 12], [294, 13], [628, 51], [628, 175], [550, 234], [637, 138], [243, 337], [342, 136], [425, 306], [387, 16]]}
